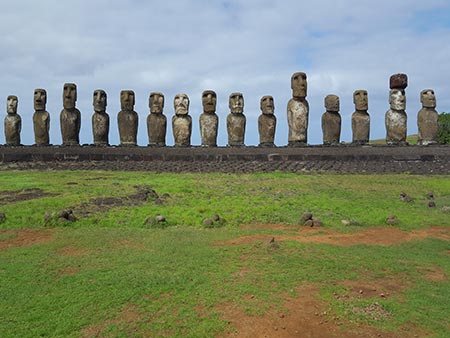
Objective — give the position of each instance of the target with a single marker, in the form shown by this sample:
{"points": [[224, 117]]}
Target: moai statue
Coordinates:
{"points": [[181, 121], [100, 119], [209, 121], [70, 117], [236, 121], [298, 111], [267, 122], [156, 121], [396, 116], [360, 118], [427, 118], [41, 118], [13, 122], [331, 121], [127, 119]]}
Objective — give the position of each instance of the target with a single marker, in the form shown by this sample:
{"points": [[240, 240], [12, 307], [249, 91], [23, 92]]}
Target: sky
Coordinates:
{"points": [[248, 46]]}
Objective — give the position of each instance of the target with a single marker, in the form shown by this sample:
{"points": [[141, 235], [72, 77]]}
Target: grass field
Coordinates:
{"points": [[111, 273]]}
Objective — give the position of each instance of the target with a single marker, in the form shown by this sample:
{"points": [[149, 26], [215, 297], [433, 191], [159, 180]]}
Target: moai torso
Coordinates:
{"points": [[70, 117], [209, 121], [100, 119], [427, 119], [41, 118], [360, 118], [156, 121], [267, 122], [13, 122], [181, 121], [127, 119], [236, 121], [298, 111], [331, 121], [396, 118]]}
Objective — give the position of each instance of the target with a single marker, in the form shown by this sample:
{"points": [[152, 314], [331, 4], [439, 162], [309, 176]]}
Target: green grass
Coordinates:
{"points": [[124, 279], [411, 139]]}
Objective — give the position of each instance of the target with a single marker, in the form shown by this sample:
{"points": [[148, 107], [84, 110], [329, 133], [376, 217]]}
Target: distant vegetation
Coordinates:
{"points": [[444, 128]]}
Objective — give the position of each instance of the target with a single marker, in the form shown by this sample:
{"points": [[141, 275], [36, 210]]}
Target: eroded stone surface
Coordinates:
{"points": [[298, 111], [70, 117], [331, 121], [181, 121], [267, 122], [100, 119], [398, 81], [236, 121], [209, 121], [427, 118], [360, 118], [13, 122], [156, 120], [127, 119], [41, 118], [396, 118]]}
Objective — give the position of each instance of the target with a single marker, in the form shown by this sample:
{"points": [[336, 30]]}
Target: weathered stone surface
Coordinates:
{"points": [[181, 121], [398, 81], [267, 122], [13, 122], [100, 119], [41, 118], [298, 111], [209, 121], [156, 120], [427, 119], [70, 117], [396, 118], [331, 121], [127, 119], [360, 118], [236, 121]]}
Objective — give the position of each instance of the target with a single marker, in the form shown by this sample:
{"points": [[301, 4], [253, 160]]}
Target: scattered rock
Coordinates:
{"points": [[2, 217], [430, 196], [66, 215], [391, 220], [431, 204], [309, 223], [405, 198], [306, 217], [317, 222], [207, 222], [160, 218], [446, 209], [216, 218], [346, 222], [144, 193], [273, 244]]}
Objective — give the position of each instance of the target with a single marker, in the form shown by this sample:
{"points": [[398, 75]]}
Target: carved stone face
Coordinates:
{"points": [[11, 104], [428, 98], [361, 100], [156, 103], [209, 100], [397, 99], [267, 105], [127, 100], [332, 103], [181, 104], [69, 95], [40, 99], [299, 85], [236, 103], [99, 100]]}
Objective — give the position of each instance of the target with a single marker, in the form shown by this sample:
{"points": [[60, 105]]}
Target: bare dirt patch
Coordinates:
{"points": [[70, 250], [69, 271], [25, 238], [382, 236], [376, 288], [12, 196], [435, 274]]}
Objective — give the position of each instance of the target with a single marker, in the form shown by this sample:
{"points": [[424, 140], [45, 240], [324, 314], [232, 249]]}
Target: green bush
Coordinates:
{"points": [[444, 128]]}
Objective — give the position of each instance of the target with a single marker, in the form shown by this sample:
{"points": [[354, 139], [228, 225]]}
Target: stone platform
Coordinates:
{"points": [[339, 159]]}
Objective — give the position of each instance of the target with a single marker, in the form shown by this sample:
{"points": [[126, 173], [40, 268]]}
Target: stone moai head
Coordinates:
{"points": [[236, 103], [181, 104], [209, 101], [99, 100], [397, 99], [299, 85], [332, 103], [11, 104], [267, 106], [360, 99], [428, 98], [398, 81], [40, 99], [156, 103], [69, 95], [127, 100]]}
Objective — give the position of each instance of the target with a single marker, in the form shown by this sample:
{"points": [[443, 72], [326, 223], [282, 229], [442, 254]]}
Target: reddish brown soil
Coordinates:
{"points": [[69, 271], [435, 274], [70, 250], [383, 236], [25, 238]]}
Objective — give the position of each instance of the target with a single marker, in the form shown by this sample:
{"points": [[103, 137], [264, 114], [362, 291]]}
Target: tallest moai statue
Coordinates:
{"points": [[298, 111]]}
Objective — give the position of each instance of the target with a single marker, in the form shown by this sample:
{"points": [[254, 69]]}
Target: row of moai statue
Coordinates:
{"points": [[297, 115]]}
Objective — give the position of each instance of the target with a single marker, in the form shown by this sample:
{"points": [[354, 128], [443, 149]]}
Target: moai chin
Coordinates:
{"points": [[236, 121], [396, 117], [41, 118], [331, 121], [100, 119], [156, 120], [267, 122], [181, 121], [360, 118], [298, 111], [127, 119], [427, 119], [70, 117], [209, 121], [13, 122]]}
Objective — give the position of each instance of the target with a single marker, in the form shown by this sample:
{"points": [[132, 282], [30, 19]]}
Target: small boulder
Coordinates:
{"points": [[391, 220], [207, 222], [160, 219], [430, 196], [306, 217], [309, 223], [445, 209], [317, 222], [272, 244], [405, 197], [431, 204], [216, 218], [2, 217], [346, 222]]}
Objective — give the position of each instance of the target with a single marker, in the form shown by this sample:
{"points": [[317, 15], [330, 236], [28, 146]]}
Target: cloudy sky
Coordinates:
{"points": [[248, 46]]}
